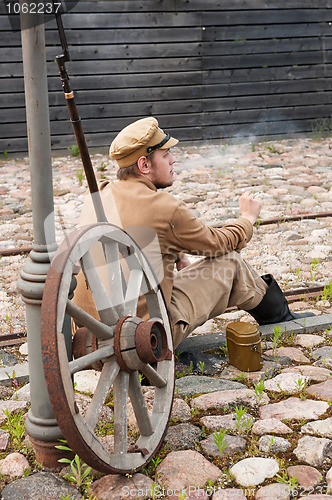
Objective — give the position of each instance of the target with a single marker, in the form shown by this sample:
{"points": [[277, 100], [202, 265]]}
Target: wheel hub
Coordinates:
{"points": [[138, 342]]}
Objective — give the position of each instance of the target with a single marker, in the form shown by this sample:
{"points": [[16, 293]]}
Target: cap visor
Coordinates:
{"points": [[170, 143]]}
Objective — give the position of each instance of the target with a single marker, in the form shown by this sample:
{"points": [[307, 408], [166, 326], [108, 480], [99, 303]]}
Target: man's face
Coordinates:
{"points": [[161, 170]]}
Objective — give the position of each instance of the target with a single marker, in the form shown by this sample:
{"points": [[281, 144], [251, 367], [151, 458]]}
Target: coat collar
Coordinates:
{"points": [[142, 180]]}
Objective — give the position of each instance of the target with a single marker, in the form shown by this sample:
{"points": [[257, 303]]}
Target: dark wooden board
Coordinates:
{"points": [[265, 115], [266, 32], [89, 82], [111, 36], [267, 87], [179, 49], [168, 19], [294, 61], [178, 19], [189, 119], [114, 51], [267, 74], [115, 110], [251, 18], [206, 70], [13, 69], [188, 101], [93, 111], [291, 59], [273, 46], [258, 130], [266, 101], [192, 5], [99, 140], [224, 90]]}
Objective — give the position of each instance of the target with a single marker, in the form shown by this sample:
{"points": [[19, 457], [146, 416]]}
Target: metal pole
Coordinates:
{"points": [[41, 424]]}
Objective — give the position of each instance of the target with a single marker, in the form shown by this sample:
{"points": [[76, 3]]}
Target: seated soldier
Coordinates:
{"points": [[193, 292]]}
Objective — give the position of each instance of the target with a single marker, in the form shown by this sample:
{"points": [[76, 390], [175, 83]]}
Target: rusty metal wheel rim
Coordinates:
{"points": [[79, 430]]}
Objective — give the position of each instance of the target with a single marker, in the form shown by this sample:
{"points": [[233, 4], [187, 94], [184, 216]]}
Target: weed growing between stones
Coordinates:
{"points": [[301, 385], [3, 481], [80, 471], [185, 371], [241, 377], [201, 367], [9, 323], [223, 349], [84, 497], [105, 428], [314, 269], [151, 467], [15, 426], [259, 390], [321, 128], [12, 378], [299, 274], [80, 176], [327, 293], [110, 400], [273, 149], [74, 150], [276, 340], [284, 478], [219, 439], [289, 338], [243, 425]]}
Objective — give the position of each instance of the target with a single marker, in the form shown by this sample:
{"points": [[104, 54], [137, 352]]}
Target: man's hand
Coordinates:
{"points": [[182, 263], [249, 207]]}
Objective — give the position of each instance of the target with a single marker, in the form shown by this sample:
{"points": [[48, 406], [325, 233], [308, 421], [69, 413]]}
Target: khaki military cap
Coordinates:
{"points": [[139, 139]]}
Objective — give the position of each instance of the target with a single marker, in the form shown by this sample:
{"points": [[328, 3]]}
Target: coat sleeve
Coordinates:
{"points": [[188, 234]]}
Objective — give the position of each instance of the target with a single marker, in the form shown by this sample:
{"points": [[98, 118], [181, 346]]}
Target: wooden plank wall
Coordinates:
{"points": [[207, 70]]}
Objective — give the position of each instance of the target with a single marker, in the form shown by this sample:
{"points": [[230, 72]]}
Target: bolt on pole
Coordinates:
{"points": [[41, 424]]}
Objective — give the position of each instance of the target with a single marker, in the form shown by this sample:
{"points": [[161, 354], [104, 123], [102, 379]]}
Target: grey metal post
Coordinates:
{"points": [[41, 424]]}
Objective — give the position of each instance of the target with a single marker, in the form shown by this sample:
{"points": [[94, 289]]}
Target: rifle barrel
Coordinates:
{"points": [[77, 124]]}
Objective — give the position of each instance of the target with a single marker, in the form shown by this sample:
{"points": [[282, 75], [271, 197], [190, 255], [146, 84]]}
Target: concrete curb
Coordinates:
{"points": [[215, 340]]}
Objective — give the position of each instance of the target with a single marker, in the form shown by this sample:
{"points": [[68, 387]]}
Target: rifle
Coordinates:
{"points": [[76, 121]]}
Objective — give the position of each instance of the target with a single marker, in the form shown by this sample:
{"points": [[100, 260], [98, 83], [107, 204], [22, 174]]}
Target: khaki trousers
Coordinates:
{"points": [[206, 288]]}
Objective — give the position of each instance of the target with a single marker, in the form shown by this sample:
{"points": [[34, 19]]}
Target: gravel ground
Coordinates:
{"points": [[291, 177]]}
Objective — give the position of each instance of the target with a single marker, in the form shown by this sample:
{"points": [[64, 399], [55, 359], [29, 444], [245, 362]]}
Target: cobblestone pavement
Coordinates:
{"points": [[291, 177], [286, 431]]}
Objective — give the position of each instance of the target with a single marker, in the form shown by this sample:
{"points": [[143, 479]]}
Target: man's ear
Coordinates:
{"points": [[143, 165]]}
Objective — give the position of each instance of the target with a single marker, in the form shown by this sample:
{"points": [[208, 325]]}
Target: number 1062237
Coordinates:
{"points": [[33, 7]]}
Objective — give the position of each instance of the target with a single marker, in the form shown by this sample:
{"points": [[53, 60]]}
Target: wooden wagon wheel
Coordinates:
{"points": [[126, 348]]}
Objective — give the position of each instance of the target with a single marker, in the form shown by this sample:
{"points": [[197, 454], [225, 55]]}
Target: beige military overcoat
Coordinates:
{"points": [[165, 229]]}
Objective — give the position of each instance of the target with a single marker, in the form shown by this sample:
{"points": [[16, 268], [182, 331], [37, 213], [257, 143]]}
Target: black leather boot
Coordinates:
{"points": [[274, 306]]}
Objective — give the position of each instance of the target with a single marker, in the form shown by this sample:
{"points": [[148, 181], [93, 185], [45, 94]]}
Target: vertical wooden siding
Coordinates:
{"points": [[238, 68]]}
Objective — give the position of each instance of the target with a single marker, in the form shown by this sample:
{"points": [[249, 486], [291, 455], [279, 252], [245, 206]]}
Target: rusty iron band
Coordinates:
{"points": [[117, 347]]}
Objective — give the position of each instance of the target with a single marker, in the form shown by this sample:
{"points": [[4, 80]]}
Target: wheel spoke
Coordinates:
{"points": [[107, 311], [115, 275], [153, 376], [139, 405], [133, 291], [120, 391], [109, 372], [84, 361], [82, 318]]}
